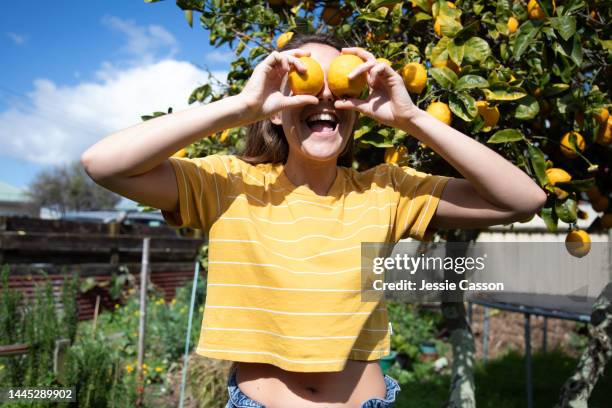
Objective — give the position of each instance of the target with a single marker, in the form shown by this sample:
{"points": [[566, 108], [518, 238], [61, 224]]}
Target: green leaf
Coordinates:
{"points": [[476, 50], [373, 17], [538, 163], [566, 209], [506, 135], [376, 139], [555, 89], [501, 93], [463, 106], [527, 108], [455, 52], [449, 26], [189, 17], [577, 185], [444, 76], [524, 36], [550, 218], [471, 81], [565, 26]]}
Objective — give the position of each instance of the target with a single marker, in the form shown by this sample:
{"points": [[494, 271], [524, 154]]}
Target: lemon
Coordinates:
{"points": [[438, 28], [489, 114], [556, 175], [440, 111], [605, 133], [384, 60], [331, 15], [534, 11], [309, 83], [180, 153], [566, 147], [283, 39], [337, 76], [602, 116], [396, 155], [415, 76], [578, 243], [600, 204], [512, 25]]}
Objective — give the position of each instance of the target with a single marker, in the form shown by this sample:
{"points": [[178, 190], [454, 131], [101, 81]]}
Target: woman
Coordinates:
{"points": [[286, 218]]}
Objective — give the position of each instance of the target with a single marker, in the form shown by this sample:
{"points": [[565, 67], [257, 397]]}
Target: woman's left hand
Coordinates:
{"points": [[388, 102]]}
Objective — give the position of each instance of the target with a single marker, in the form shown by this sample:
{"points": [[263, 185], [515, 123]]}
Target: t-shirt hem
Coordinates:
{"points": [[306, 367]]}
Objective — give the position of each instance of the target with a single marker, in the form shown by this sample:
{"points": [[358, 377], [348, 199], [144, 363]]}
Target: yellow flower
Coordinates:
{"points": [[144, 366], [201, 309], [173, 301], [116, 306], [129, 368], [1, 366], [158, 369]]}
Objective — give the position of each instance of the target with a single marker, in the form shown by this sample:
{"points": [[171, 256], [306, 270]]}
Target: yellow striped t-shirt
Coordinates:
{"points": [[284, 263]]}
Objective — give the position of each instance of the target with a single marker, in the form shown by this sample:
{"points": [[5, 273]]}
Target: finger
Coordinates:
{"points": [[276, 59], [366, 66], [352, 103], [375, 73], [360, 52], [299, 100], [299, 65]]}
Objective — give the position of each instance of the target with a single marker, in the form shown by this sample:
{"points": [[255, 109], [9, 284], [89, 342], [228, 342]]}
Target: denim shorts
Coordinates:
{"points": [[237, 399]]}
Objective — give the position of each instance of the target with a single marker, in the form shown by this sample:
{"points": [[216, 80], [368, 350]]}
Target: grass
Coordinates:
{"points": [[501, 384]]}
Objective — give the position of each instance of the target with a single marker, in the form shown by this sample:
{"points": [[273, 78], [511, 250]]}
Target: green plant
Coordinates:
{"points": [[208, 381]]}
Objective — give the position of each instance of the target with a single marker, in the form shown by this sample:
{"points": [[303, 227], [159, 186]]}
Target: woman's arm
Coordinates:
{"points": [[494, 190], [134, 162]]}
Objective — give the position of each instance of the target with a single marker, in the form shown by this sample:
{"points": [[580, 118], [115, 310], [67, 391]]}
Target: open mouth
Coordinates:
{"points": [[322, 122]]}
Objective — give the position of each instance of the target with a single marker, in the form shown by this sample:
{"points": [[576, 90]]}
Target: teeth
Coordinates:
{"points": [[322, 116]]}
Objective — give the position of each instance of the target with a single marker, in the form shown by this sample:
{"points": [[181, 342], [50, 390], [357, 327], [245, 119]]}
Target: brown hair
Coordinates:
{"points": [[265, 141]]}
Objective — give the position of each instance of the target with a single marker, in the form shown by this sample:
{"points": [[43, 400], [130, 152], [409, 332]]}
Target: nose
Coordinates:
{"points": [[326, 94]]}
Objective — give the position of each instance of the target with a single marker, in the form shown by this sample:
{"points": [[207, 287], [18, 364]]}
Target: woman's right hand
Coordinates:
{"points": [[262, 93]]}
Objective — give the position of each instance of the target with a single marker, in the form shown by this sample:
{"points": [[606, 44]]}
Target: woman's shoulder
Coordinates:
{"points": [[382, 174]]}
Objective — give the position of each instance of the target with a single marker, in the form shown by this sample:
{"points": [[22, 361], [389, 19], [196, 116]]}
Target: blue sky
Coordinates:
{"points": [[75, 71]]}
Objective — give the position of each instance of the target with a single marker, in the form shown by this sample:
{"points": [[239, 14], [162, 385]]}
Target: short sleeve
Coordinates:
{"points": [[203, 185], [419, 196]]}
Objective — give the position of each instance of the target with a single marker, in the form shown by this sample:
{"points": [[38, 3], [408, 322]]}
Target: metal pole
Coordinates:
{"points": [[528, 384], [544, 334], [141, 325], [485, 336], [188, 336]]}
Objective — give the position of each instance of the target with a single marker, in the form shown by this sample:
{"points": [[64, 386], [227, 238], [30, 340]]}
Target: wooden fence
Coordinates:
{"points": [[35, 247]]}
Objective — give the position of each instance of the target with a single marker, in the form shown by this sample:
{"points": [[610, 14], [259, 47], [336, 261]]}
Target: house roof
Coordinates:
{"points": [[10, 193]]}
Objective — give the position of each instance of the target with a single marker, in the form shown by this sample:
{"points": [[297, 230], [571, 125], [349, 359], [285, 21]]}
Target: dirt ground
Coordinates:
{"points": [[506, 331]]}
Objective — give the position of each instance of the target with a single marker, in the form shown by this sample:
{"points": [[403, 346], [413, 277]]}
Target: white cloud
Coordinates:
{"points": [[57, 123], [18, 39], [144, 44]]}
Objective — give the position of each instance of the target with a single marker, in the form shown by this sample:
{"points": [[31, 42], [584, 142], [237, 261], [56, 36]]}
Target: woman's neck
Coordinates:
{"points": [[317, 175]]}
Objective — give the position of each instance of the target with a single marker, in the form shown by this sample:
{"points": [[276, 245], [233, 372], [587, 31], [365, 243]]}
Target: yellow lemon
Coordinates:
{"points": [[438, 28], [566, 147], [450, 4], [512, 25], [337, 76], [605, 133], [534, 11], [440, 111], [396, 155], [578, 243], [600, 203], [310, 82], [332, 15], [180, 153], [415, 76], [490, 114], [283, 39], [384, 60], [556, 175], [602, 116]]}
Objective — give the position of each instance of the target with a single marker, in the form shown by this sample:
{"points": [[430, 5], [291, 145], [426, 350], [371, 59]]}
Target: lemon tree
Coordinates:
{"points": [[528, 78]]}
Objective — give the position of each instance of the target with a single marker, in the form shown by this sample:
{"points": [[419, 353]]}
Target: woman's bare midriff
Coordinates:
{"points": [[275, 388]]}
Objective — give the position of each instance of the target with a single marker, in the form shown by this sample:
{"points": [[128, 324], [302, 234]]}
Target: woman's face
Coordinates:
{"points": [[318, 132]]}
